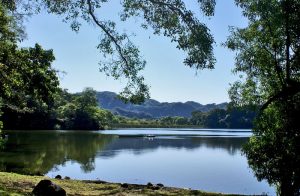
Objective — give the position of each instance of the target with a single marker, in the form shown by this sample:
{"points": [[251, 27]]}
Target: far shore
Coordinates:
{"points": [[17, 184]]}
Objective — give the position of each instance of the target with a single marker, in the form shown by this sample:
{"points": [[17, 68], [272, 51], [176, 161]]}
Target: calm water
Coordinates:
{"points": [[208, 159]]}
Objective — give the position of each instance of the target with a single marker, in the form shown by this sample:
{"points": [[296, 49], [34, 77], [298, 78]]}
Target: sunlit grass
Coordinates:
{"points": [[16, 184]]}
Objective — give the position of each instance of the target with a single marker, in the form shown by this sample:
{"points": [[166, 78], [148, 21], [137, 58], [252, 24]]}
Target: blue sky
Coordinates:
{"points": [[169, 79]]}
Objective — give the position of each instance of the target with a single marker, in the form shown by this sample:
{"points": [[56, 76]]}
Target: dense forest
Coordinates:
{"points": [[234, 118], [80, 111]]}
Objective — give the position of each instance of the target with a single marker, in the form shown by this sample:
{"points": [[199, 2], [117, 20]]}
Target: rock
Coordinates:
{"points": [[149, 185], [67, 178], [160, 185], [48, 188], [124, 185], [58, 177]]}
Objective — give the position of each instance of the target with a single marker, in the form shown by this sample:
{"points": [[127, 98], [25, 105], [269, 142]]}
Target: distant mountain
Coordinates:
{"points": [[152, 108]]}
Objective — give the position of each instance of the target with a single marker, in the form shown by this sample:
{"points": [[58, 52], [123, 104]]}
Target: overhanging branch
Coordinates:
{"points": [[106, 31], [176, 10], [286, 92]]}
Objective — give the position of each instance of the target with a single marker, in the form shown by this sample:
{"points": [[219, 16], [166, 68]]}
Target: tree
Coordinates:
{"points": [[28, 82], [198, 118], [168, 17], [1, 126], [5, 34], [86, 110], [178, 120], [81, 111], [231, 118], [240, 117], [28, 87], [268, 54], [215, 118]]}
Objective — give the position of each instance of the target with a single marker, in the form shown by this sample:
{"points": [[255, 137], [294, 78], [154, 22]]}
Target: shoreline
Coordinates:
{"points": [[18, 184]]}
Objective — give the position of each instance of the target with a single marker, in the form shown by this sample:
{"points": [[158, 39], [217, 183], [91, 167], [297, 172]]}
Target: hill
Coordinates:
{"points": [[152, 108]]}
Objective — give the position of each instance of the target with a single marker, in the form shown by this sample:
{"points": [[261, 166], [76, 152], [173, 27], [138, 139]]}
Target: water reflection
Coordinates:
{"points": [[138, 145], [37, 152], [42, 151], [195, 161]]}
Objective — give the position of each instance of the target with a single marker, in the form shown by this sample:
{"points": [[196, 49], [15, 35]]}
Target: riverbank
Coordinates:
{"points": [[16, 184], [154, 126]]}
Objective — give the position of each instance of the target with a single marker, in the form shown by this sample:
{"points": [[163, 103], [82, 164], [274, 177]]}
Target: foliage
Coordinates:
{"points": [[1, 123], [232, 118], [170, 18], [28, 86], [5, 34], [268, 55], [10, 30], [273, 153], [81, 111], [1, 126], [28, 82], [125, 122], [241, 118]]}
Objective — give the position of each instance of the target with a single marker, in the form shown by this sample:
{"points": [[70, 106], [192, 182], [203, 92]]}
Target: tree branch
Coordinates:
{"points": [[277, 67], [106, 31], [176, 10], [289, 91], [288, 39]]}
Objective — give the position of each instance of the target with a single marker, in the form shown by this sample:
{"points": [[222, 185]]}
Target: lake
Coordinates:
{"points": [[206, 159]]}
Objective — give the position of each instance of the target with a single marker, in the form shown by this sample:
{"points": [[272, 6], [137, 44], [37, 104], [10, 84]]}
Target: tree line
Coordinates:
{"points": [[230, 118]]}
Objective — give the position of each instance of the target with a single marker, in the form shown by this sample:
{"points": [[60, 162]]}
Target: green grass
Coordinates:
{"points": [[16, 184]]}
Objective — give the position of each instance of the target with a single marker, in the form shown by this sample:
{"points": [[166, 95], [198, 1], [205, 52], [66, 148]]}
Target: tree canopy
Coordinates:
{"points": [[169, 18], [82, 112], [30, 96], [28, 82], [268, 56]]}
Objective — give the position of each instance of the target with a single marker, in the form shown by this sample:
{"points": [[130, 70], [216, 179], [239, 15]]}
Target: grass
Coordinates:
{"points": [[17, 184]]}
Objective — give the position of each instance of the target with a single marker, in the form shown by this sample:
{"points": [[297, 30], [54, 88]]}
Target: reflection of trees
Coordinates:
{"points": [[42, 151], [230, 144], [139, 145]]}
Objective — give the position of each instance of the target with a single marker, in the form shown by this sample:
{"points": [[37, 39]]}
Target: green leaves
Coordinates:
{"points": [[28, 82], [266, 48], [207, 6], [122, 58], [27, 77], [81, 111], [173, 20], [266, 56]]}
